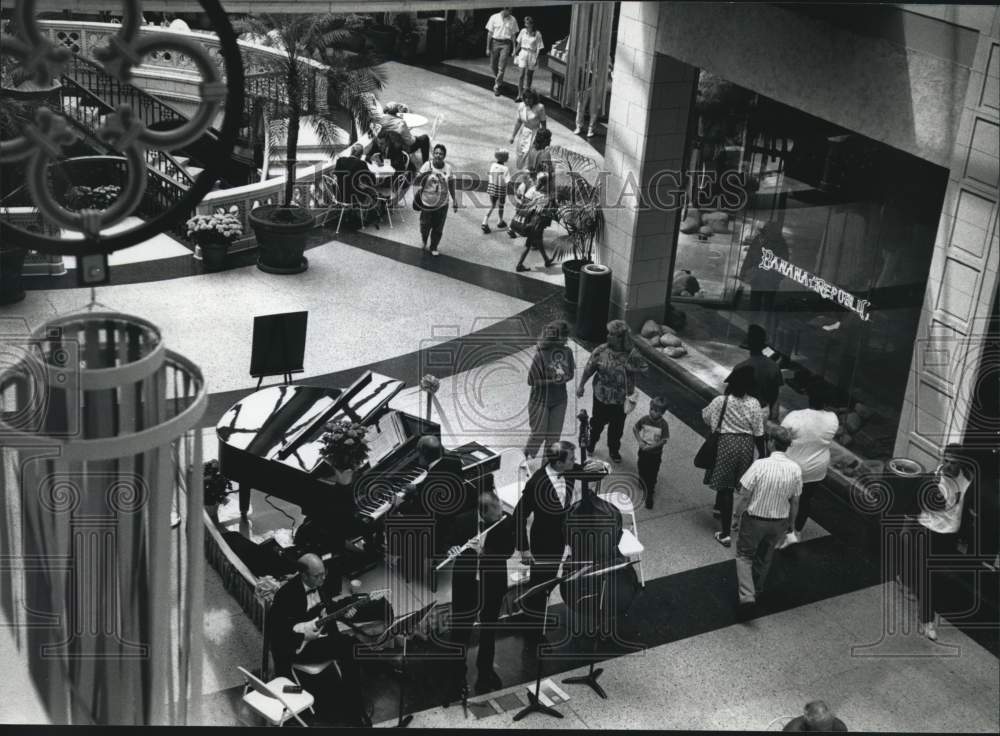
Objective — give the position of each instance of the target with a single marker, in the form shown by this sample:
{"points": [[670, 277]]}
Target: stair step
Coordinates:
{"points": [[181, 160], [193, 171]]}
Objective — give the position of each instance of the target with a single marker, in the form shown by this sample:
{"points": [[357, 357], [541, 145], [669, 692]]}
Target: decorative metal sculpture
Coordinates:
{"points": [[42, 142]]}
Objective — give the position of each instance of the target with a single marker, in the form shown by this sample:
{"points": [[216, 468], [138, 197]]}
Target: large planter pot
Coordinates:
{"points": [[11, 271], [571, 273], [382, 37], [213, 252], [281, 237]]}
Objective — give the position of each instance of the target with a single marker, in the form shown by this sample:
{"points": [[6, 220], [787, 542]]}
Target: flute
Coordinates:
{"points": [[468, 545]]}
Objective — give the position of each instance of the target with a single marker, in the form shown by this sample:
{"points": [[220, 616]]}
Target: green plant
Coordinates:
{"points": [[344, 444], [223, 224], [92, 198], [347, 81], [577, 188], [216, 486]]}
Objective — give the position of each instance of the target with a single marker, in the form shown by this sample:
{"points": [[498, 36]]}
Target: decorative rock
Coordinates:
{"points": [[670, 341], [654, 341], [676, 352], [692, 222], [852, 422], [667, 330], [705, 232], [718, 221], [649, 329]]}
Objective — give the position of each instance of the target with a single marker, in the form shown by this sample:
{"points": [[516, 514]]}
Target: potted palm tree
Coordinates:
{"points": [[577, 199], [313, 53]]}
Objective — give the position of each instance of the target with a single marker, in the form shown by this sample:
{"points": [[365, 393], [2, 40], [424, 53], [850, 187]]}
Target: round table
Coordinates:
{"points": [[413, 120], [381, 172]]}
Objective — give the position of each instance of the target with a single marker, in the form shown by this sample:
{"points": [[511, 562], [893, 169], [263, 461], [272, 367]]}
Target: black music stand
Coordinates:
{"points": [[279, 345], [591, 677], [535, 705], [405, 626]]}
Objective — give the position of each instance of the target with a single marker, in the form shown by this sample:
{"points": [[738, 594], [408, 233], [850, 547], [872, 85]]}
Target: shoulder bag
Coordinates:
{"points": [[705, 458]]}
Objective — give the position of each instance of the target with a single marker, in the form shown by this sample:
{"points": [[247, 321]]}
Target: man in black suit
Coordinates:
{"points": [[355, 183], [294, 637], [484, 596], [547, 498]]}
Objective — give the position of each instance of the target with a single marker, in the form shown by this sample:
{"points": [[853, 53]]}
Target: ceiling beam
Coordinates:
{"points": [[291, 6]]}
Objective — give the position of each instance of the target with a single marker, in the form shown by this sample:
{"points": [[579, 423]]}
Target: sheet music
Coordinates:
{"points": [[383, 438]]}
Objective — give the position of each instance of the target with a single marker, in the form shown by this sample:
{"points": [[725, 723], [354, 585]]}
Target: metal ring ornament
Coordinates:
{"points": [[51, 133]]}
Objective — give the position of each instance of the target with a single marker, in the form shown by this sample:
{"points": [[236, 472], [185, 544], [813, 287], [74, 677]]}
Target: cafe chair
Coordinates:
{"points": [[268, 701], [335, 205], [389, 198]]}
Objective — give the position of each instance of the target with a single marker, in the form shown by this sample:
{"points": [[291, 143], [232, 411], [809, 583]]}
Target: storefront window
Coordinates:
{"points": [[827, 246]]}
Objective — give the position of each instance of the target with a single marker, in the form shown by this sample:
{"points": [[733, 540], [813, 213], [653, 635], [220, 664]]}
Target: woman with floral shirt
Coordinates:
{"points": [[614, 367]]}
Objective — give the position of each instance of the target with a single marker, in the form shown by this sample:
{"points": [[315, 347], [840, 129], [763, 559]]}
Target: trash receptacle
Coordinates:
{"points": [[905, 477], [437, 39], [593, 302]]}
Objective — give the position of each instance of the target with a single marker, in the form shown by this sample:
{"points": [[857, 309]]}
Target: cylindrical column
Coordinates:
{"points": [[99, 423]]}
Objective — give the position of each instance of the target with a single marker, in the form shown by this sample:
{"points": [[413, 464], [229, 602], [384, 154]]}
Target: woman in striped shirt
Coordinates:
{"points": [[740, 429]]}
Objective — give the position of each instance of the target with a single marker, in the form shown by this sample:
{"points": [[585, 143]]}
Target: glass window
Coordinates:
{"points": [[821, 236]]}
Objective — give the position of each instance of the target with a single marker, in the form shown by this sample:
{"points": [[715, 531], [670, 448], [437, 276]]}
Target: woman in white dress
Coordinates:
{"points": [[530, 118], [527, 46]]}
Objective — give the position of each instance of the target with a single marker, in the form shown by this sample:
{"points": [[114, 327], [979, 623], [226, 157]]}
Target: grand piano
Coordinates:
{"points": [[271, 441]]}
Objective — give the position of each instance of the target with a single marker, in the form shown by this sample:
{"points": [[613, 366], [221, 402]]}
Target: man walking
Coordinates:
{"points": [[501, 30], [766, 503]]}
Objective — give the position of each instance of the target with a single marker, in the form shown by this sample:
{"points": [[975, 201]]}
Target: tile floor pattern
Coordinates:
{"points": [[366, 308]]}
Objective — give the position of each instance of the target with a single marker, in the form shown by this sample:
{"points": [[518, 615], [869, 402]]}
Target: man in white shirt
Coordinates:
{"points": [[501, 30], [765, 505]]}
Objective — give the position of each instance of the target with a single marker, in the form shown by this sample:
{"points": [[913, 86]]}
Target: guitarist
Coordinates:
{"points": [[295, 638], [479, 582]]}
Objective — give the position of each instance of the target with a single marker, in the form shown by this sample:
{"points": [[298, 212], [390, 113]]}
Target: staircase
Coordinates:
{"points": [[90, 95]]}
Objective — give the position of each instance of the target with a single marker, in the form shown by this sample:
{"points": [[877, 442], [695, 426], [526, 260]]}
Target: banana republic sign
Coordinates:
{"points": [[771, 262]]}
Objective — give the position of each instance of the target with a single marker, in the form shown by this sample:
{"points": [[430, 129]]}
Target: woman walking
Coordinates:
{"points": [[812, 431], [739, 419], [535, 203], [551, 369], [935, 533], [614, 366], [530, 119], [527, 46], [435, 183]]}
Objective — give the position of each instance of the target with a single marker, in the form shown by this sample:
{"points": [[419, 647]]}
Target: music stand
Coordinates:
{"points": [[279, 345], [591, 677], [405, 626], [535, 705]]}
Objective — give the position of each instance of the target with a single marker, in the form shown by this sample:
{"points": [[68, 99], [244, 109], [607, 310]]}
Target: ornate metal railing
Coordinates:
{"points": [[89, 119]]}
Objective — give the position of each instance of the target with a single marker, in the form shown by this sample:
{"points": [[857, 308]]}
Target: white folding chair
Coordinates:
{"points": [[313, 669], [629, 545], [268, 700]]}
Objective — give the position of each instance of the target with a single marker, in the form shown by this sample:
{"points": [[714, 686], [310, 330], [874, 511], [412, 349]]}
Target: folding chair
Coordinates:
{"points": [[334, 204], [268, 700], [390, 199], [629, 545], [313, 669]]}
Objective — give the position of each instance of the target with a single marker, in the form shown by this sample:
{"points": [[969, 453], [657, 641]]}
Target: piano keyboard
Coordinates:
{"points": [[382, 493]]}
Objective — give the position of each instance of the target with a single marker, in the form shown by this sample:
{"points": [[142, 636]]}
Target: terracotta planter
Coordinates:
{"points": [[571, 273], [281, 238]]}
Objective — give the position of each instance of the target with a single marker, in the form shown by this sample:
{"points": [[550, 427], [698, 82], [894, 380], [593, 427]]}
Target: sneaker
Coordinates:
{"points": [[501, 225], [435, 253], [724, 541], [519, 268], [790, 539], [590, 133], [485, 228], [519, 99], [929, 630], [496, 91], [576, 130], [511, 234]]}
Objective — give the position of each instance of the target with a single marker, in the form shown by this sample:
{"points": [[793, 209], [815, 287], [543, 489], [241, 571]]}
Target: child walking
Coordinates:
{"points": [[498, 179], [652, 432]]}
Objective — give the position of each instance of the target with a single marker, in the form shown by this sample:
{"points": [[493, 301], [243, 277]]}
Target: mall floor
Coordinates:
{"points": [[831, 628]]}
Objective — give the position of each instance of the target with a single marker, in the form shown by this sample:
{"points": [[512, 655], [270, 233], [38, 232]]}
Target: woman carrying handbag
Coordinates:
{"points": [[738, 422]]}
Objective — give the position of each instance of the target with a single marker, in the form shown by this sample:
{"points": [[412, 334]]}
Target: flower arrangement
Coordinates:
{"points": [[223, 224], [92, 198], [344, 444], [216, 486]]}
